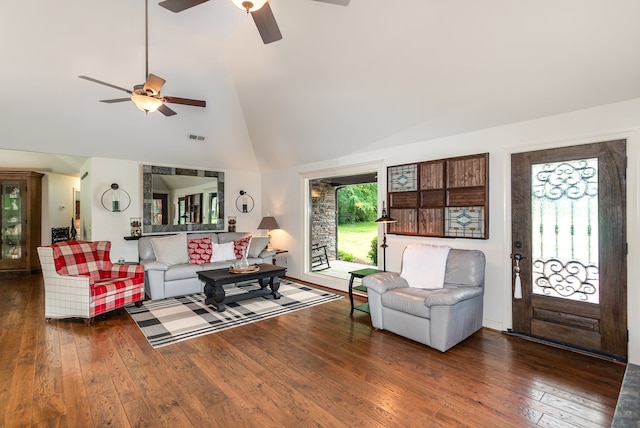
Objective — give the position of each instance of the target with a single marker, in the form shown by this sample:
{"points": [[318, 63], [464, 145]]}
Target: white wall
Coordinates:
{"points": [[284, 196], [99, 224], [85, 201], [114, 226], [110, 226]]}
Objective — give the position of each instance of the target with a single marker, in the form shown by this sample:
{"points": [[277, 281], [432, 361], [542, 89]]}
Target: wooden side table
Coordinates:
{"points": [[360, 273]]}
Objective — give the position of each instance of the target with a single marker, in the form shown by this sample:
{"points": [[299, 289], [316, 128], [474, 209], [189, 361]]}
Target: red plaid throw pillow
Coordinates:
{"points": [[240, 246], [200, 251]]}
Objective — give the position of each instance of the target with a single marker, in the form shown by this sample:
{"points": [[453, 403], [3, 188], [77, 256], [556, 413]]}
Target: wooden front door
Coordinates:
{"points": [[569, 246]]}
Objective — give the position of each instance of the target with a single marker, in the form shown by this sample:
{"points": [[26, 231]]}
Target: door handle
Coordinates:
{"points": [[517, 257]]}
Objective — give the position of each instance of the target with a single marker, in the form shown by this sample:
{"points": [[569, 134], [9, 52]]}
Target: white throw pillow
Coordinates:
{"points": [[171, 250], [223, 252]]}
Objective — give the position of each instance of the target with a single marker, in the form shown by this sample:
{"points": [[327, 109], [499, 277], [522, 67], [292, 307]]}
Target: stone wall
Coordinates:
{"points": [[324, 216]]}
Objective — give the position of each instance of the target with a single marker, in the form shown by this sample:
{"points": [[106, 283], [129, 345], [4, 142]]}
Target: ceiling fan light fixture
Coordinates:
{"points": [[249, 6], [146, 103]]}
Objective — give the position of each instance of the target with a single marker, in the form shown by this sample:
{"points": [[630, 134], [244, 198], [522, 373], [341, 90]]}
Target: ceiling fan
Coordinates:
{"points": [[147, 96], [259, 9]]}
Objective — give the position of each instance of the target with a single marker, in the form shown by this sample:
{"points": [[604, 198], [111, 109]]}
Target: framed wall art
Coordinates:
{"points": [[446, 198]]}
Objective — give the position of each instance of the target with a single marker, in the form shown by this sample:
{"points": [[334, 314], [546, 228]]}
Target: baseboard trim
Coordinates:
{"points": [[607, 357]]}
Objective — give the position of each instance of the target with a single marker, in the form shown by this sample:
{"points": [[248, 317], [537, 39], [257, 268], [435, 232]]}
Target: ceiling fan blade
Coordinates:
{"points": [[266, 23], [115, 100], [338, 2], [185, 101], [166, 110], [153, 84], [91, 79], [180, 5]]}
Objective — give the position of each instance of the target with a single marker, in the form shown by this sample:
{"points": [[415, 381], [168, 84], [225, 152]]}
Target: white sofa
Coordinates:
{"points": [[164, 279], [437, 317]]}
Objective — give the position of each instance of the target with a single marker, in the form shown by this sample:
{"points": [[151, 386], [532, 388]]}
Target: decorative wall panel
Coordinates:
{"points": [[441, 198]]}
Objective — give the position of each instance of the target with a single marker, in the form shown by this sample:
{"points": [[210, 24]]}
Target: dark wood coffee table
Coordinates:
{"points": [[214, 280]]}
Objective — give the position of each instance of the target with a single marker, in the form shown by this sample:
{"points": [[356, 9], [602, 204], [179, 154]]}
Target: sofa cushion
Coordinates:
{"points": [[199, 235], [465, 267], [111, 286], [224, 237], [145, 249], [240, 246], [77, 258], [171, 250], [409, 300], [222, 252], [103, 250], [219, 265], [452, 295], [105, 302], [257, 244], [182, 271], [199, 250]]}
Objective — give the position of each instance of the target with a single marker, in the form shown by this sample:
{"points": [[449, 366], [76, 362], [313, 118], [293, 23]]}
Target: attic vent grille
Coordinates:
{"points": [[193, 137]]}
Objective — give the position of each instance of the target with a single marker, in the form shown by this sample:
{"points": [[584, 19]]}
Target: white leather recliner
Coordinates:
{"points": [[437, 317]]}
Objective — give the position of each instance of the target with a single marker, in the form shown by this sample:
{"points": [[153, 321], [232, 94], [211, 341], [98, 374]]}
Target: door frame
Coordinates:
{"points": [[306, 178], [633, 223]]}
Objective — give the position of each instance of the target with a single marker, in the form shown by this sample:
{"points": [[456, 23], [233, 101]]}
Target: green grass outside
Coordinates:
{"points": [[356, 239]]}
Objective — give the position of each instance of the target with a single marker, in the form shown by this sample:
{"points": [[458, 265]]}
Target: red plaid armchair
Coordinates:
{"points": [[81, 282]]}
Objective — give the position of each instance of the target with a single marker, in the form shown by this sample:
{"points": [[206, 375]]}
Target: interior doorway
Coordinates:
{"points": [[75, 234], [341, 237]]}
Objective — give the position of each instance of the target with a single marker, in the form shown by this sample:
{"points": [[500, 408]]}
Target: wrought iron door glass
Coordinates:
{"points": [[564, 205]]}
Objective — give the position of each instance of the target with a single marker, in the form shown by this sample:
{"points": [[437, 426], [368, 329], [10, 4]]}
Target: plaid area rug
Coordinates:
{"points": [[173, 320]]}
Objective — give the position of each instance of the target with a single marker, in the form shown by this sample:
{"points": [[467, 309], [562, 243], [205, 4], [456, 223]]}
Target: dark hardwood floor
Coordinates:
{"points": [[315, 367]]}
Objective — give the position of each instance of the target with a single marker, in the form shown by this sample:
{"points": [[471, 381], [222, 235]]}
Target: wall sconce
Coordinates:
{"points": [[115, 199], [244, 202]]}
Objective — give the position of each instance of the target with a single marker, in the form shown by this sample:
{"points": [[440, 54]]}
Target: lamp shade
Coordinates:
{"points": [[384, 218], [268, 223], [249, 6], [146, 103]]}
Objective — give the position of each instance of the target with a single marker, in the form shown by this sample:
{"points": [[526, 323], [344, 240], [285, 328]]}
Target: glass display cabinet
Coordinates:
{"points": [[20, 220]]}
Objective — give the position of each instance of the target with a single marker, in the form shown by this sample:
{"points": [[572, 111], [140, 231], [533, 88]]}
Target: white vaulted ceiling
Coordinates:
{"points": [[342, 80]]}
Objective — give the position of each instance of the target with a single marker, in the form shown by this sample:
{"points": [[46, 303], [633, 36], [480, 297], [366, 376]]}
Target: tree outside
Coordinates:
{"points": [[357, 212]]}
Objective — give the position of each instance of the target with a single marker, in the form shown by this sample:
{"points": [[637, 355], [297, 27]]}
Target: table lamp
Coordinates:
{"points": [[268, 223]]}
